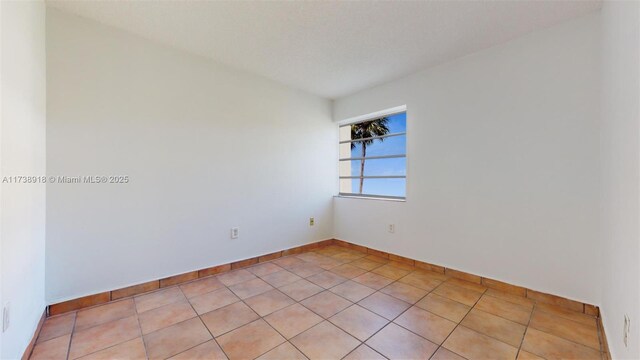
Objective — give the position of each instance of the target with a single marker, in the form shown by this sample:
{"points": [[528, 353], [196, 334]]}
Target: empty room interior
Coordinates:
{"points": [[320, 179]]}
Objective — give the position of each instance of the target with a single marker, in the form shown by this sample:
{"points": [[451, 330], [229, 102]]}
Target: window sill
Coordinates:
{"points": [[371, 198]]}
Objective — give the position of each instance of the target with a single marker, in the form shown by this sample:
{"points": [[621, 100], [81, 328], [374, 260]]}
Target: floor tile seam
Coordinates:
{"points": [[144, 345], [395, 297], [329, 289], [275, 272], [340, 283], [205, 326], [179, 285], [252, 309], [404, 327], [363, 344], [318, 324], [169, 303], [345, 330], [323, 318], [448, 298], [464, 288], [283, 336], [323, 289], [558, 336], [239, 297], [108, 347], [137, 313], [354, 302], [239, 300], [501, 316], [524, 334], [393, 321], [53, 338], [526, 329], [75, 330], [75, 318], [458, 324], [565, 339], [509, 301], [77, 311], [185, 301], [428, 290], [212, 291], [578, 323], [430, 312], [179, 322], [303, 277], [235, 328], [524, 308]]}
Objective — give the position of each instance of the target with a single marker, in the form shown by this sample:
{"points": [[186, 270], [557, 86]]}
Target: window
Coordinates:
{"points": [[373, 160]]}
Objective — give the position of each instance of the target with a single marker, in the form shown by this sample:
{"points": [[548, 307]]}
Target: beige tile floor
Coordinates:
{"points": [[333, 303]]}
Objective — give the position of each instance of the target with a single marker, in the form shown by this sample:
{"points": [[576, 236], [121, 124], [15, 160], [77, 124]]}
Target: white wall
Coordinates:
{"points": [[22, 152], [206, 147], [503, 164], [621, 170]]}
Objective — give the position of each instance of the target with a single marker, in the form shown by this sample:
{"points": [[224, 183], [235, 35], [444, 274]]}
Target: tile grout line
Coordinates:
{"points": [[389, 321], [399, 315], [279, 333], [107, 322], [73, 330], [241, 300], [500, 316], [110, 321], [144, 345], [187, 300], [526, 328], [392, 320], [533, 309], [318, 246], [327, 319], [472, 307], [394, 281], [132, 298], [412, 305], [268, 324], [263, 317], [560, 337], [458, 324], [203, 323]]}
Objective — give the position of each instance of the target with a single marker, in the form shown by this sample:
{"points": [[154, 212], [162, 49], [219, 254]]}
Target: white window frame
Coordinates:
{"points": [[367, 117]]}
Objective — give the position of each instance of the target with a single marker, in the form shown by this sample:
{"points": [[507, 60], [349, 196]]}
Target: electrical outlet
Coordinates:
{"points": [[392, 228], [627, 330], [235, 232], [6, 320], [312, 221]]}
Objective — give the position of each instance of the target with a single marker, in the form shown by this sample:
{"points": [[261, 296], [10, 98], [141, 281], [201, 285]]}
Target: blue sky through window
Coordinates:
{"points": [[379, 167]]}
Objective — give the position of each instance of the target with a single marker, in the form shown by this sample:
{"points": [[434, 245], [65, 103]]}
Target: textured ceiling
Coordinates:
{"points": [[330, 48]]}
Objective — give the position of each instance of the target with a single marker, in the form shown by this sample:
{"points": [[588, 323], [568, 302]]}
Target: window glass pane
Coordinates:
{"points": [[380, 187], [376, 147], [374, 167], [394, 145], [385, 146]]}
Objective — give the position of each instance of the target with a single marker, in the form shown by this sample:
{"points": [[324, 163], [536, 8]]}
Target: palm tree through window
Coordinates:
{"points": [[373, 157]]}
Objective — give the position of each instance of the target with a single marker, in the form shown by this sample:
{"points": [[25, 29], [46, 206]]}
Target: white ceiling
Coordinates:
{"points": [[330, 48]]}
